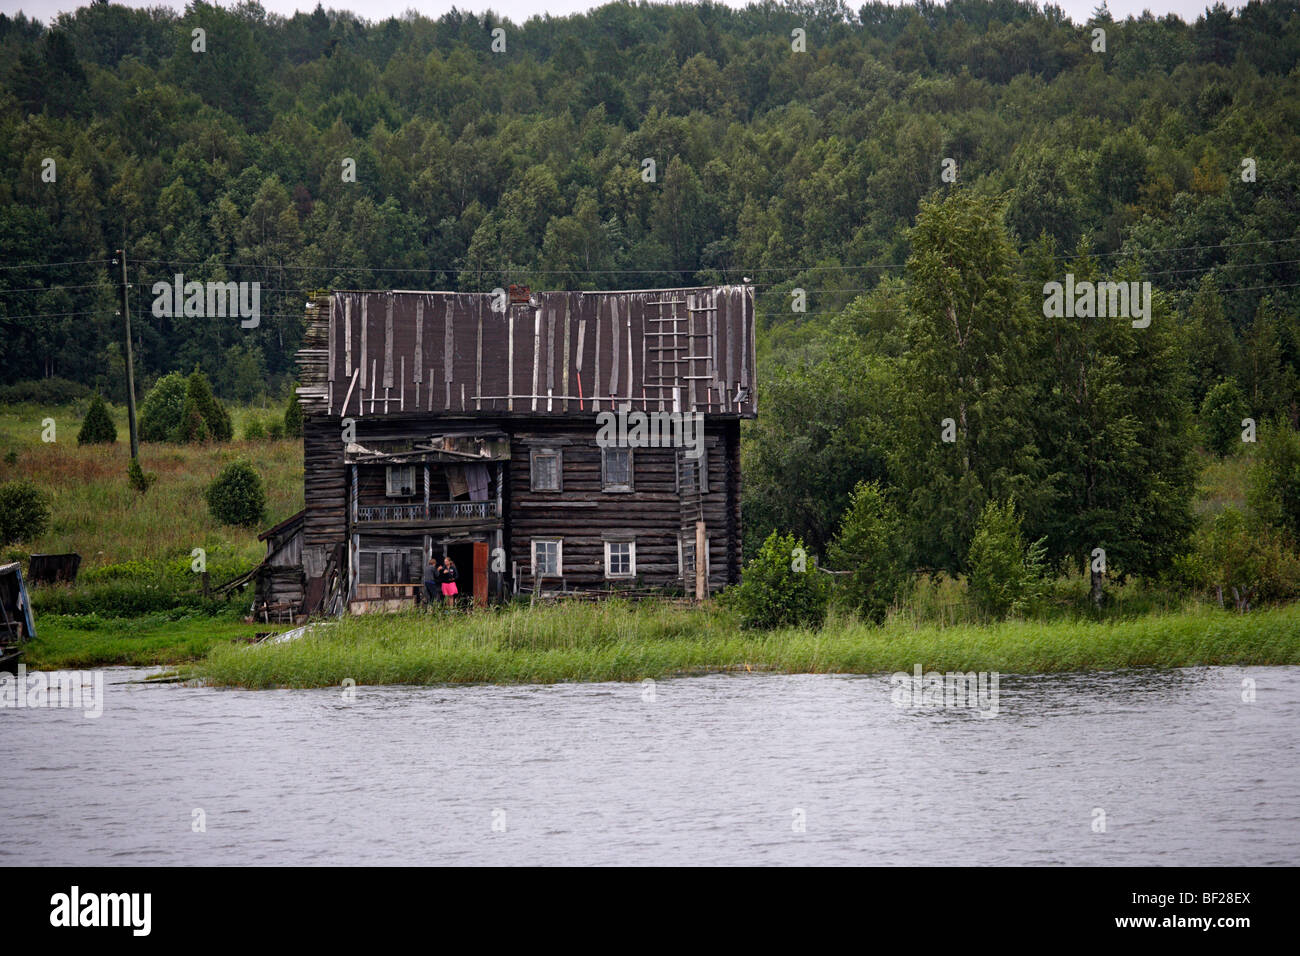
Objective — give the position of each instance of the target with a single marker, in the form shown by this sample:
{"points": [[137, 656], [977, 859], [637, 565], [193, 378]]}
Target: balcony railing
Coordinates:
{"points": [[436, 511]]}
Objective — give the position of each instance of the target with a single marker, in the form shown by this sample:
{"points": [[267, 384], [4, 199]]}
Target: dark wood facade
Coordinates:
{"points": [[437, 424]]}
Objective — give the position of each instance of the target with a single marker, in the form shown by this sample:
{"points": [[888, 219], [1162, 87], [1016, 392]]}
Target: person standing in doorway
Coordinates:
{"points": [[433, 580], [448, 577]]}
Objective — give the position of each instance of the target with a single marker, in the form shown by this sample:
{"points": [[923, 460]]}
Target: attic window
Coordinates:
{"points": [[401, 481]]}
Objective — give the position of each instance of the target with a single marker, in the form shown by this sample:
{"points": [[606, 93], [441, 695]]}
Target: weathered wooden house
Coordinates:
{"points": [[583, 441]]}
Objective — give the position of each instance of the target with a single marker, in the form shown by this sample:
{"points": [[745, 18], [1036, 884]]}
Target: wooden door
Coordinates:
{"points": [[480, 573]]}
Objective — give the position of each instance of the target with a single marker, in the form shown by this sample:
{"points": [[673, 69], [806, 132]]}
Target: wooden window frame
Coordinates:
{"points": [[605, 484], [559, 556], [702, 463], [379, 554], [631, 560], [546, 452], [388, 482]]}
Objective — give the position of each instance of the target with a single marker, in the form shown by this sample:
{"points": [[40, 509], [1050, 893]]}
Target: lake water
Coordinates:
{"points": [[737, 769]]}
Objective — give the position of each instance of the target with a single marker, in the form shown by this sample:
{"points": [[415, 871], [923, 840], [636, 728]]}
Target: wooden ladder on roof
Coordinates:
{"points": [[674, 356]]}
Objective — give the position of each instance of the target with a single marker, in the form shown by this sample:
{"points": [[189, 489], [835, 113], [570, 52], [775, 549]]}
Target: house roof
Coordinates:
{"points": [[400, 353], [284, 525]]}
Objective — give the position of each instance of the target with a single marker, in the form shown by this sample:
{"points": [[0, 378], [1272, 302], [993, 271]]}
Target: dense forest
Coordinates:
{"points": [[899, 184]]}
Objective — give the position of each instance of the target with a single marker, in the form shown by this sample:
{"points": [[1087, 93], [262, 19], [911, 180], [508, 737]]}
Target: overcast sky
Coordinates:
{"points": [[520, 10]]}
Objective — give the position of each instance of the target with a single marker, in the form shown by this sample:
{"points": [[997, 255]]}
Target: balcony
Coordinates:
{"points": [[437, 512]]}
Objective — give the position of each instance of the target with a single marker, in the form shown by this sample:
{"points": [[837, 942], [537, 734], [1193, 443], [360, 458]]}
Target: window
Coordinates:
{"points": [[391, 566], [616, 469], [620, 559], [401, 481], [690, 470], [545, 468], [548, 557]]}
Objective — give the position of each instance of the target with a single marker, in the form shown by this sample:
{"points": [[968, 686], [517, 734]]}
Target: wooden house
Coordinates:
{"points": [[564, 441]]}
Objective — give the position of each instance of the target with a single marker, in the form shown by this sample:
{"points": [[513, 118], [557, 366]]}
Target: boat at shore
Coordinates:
{"points": [[16, 623]]}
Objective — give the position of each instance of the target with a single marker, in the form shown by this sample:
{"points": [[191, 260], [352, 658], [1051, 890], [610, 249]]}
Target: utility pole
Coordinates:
{"points": [[130, 361]]}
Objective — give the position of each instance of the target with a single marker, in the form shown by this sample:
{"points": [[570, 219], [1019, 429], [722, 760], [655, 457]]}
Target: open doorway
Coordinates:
{"points": [[471, 560]]}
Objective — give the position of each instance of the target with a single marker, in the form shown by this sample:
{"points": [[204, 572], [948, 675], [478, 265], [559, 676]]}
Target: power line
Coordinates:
{"points": [[51, 265], [49, 288], [795, 269]]}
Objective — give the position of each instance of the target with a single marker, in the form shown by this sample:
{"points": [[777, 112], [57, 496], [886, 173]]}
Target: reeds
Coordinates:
{"points": [[617, 642]]}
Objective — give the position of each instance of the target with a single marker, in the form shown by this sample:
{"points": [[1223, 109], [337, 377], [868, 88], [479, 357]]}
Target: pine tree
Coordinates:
{"points": [[1214, 352], [1221, 416], [98, 427], [200, 402], [293, 418], [1266, 383]]}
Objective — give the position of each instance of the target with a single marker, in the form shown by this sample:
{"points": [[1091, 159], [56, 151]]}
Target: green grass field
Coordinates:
{"points": [[172, 637], [97, 513], [615, 642]]}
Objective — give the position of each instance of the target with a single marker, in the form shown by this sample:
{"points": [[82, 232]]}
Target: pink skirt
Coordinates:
{"points": [[449, 589]]}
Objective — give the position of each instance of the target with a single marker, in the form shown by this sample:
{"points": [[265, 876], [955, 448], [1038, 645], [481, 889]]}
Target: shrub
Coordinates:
{"points": [[121, 598], [162, 408], [1234, 559], [780, 587], [293, 418], [1221, 413], [24, 512], [139, 478], [254, 430], [1004, 574], [97, 428], [123, 570], [43, 391], [193, 429], [275, 429], [869, 548], [1273, 482], [198, 396], [236, 495]]}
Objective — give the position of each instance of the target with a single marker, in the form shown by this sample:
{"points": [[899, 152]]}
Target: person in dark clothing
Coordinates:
{"points": [[433, 580], [448, 577]]}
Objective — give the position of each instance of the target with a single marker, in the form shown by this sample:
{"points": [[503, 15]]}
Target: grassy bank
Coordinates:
{"points": [[617, 642], [96, 512], [177, 637]]}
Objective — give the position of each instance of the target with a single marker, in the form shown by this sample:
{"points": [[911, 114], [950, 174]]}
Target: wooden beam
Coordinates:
{"points": [[388, 341], [701, 562], [564, 378]]}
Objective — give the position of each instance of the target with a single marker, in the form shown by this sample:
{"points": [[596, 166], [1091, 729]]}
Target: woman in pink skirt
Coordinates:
{"points": [[448, 577]]}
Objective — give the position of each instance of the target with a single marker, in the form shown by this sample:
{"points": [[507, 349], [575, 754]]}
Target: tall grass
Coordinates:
{"points": [[1222, 481], [616, 642], [97, 513]]}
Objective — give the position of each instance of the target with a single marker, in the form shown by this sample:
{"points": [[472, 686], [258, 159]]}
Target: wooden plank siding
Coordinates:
{"points": [[584, 515]]}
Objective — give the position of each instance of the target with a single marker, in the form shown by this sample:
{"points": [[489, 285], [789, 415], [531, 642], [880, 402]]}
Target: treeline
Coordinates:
{"points": [[944, 423], [222, 155]]}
